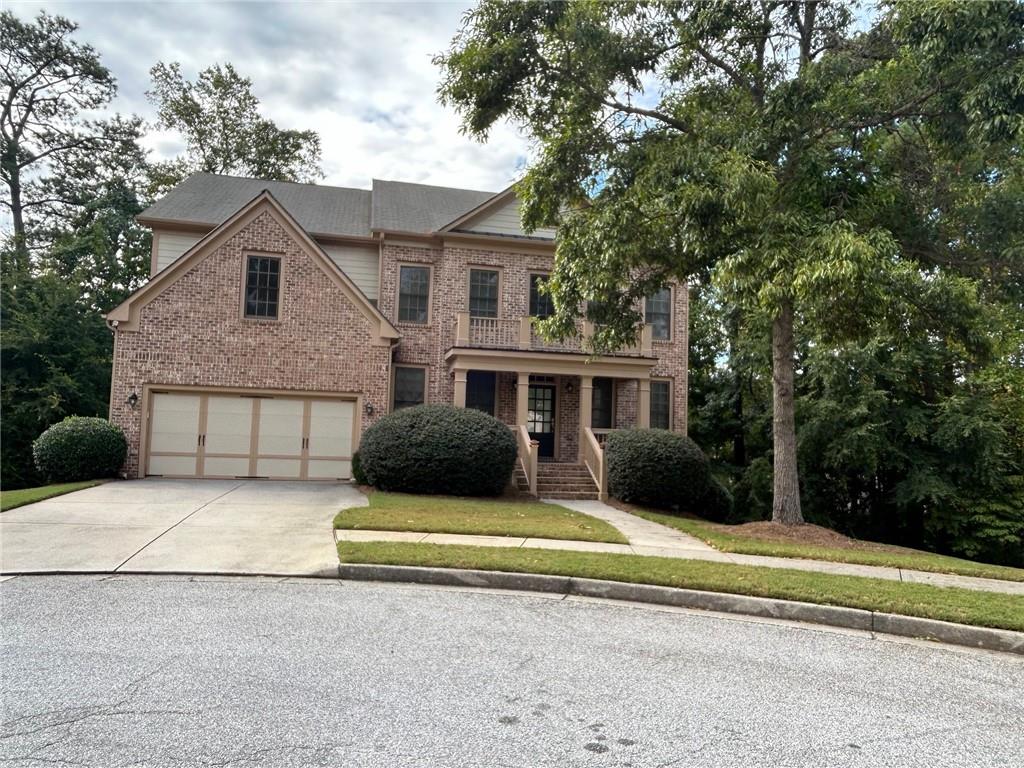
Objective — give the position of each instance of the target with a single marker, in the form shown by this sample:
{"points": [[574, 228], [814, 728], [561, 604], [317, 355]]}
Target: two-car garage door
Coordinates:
{"points": [[241, 435]]}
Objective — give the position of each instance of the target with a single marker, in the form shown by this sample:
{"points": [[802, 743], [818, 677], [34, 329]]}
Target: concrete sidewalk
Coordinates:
{"points": [[654, 540]]}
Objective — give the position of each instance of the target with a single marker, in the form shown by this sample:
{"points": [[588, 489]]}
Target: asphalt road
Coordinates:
{"points": [[165, 671]]}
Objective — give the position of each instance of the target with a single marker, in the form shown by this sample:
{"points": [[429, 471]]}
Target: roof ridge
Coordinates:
{"points": [[278, 181]]}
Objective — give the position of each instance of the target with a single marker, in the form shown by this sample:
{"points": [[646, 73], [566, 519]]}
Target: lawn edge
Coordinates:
{"points": [[91, 484], [986, 638]]}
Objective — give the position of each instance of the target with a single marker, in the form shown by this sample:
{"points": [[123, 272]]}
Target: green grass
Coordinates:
{"points": [[482, 517], [12, 499], [964, 606], [913, 560]]}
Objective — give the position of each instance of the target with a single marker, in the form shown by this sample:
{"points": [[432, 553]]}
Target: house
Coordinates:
{"points": [[281, 320]]}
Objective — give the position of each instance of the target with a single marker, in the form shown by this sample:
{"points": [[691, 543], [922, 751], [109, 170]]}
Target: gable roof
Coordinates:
{"points": [[400, 206], [128, 311], [211, 199]]}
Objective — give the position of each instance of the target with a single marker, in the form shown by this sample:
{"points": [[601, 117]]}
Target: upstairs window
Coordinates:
{"points": [[262, 287], [541, 305], [661, 404], [413, 294], [483, 292], [601, 406], [658, 312]]}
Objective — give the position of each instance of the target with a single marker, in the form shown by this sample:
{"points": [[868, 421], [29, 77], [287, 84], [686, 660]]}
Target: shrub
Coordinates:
{"points": [[439, 449], [716, 505], [656, 467], [357, 469], [80, 448]]}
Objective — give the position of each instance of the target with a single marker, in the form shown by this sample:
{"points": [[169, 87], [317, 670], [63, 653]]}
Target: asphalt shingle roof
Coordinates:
{"points": [[210, 199]]}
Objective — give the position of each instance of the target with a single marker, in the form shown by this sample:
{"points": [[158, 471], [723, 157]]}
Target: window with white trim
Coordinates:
{"points": [[658, 313], [413, 294], [483, 292], [661, 404], [410, 387]]}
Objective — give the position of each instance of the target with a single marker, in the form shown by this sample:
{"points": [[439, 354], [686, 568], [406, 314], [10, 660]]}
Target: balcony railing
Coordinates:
{"points": [[519, 333]]}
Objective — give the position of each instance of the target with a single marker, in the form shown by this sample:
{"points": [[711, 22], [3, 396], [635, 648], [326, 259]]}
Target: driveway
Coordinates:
{"points": [[179, 526]]}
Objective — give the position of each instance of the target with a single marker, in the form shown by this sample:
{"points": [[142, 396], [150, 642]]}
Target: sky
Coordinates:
{"points": [[360, 74]]}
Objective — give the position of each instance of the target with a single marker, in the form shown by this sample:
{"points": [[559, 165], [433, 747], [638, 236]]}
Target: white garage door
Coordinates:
{"points": [[228, 436]]}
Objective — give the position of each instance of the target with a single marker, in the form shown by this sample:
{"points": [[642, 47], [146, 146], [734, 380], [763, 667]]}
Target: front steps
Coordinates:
{"points": [[560, 481]]}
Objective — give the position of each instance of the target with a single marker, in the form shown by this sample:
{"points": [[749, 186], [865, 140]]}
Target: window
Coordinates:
{"points": [[262, 286], [480, 391], [410, 387], [413, 294], [483, 293], [661, 404], [658, 312], [540, 303], [601, 407]]}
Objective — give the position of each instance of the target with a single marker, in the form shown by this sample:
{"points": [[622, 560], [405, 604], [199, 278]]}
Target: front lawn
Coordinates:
{"points": [[23, 496], [863, 553], [987, 609], [482, 517]]}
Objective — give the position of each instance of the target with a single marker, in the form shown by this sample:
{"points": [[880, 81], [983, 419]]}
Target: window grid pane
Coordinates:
{"points": [[262, 286], [601, 410], [540, 413], [658, 312], [540, 303], [483, 293], [661, 392], [413, 294], [410, 387]]}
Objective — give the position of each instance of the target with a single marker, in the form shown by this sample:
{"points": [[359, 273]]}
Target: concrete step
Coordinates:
{"points": [[580, 496]]}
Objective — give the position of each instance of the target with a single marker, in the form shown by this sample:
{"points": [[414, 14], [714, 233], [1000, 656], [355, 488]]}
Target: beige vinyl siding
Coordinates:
{"points": [[360, 263], [170, 245], [505, 221]]}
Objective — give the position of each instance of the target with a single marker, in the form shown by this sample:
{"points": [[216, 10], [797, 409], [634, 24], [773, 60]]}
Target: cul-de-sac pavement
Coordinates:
{"points": [[202, 671]]}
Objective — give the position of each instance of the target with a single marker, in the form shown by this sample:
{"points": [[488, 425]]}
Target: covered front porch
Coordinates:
{"points": [[559, 405]]}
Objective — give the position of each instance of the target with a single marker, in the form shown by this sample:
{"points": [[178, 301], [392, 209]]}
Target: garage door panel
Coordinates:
{"points": [[281, 428], [279, 468], [223, 466], [184, 466], [323, 469], [229, 425], [330, 428], [174, 423]]}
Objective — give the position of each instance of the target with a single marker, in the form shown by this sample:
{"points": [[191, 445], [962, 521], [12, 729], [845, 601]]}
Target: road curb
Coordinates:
{"points": [[985, 638]]}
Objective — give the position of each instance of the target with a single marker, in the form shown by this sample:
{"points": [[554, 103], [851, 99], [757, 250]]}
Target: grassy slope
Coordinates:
{"points": [[12, 499], [491, 517], [747, 545], [958, 605]]}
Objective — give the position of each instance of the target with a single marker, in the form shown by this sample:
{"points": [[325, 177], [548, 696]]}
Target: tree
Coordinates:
{"points": [[742, 137], [218, 116], [50, 81]]}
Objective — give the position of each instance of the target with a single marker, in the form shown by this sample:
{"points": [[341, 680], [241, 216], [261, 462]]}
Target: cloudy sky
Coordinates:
{"points": [[358, 73]]}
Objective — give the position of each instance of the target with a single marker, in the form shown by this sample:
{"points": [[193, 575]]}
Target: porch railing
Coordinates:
{"points": [[593, 459], [519, 333], [529, 450]]}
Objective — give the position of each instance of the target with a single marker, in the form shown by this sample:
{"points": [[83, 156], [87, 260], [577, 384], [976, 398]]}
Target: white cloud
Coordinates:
{"points": [[358, 73]]}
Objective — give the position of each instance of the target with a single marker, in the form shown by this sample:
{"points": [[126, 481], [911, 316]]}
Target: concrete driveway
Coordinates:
{"points": [[179, 526]]}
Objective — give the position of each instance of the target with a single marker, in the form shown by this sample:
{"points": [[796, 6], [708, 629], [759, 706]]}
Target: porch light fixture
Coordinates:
{"points": [[133, 400], [369, 409], [569, 388]]}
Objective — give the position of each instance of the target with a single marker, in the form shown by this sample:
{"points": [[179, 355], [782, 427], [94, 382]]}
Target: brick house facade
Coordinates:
{"points": [[185, 349]]}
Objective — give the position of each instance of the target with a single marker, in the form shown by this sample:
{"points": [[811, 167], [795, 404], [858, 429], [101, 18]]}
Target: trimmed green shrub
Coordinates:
{"points": [[439, 449], [657, 468], [357, 469], [80, 448]]}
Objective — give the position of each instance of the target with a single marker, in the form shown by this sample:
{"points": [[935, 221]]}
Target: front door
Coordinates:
{"points": [[540, 419]]}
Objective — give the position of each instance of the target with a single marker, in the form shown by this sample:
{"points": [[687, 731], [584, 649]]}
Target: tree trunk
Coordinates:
{"points": [[10, 161], [786, 496]]}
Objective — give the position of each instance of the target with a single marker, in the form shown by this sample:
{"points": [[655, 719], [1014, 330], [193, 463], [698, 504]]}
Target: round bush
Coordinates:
{"points": [[656, 467], [80, 448], [438, 449], [357, 469]]}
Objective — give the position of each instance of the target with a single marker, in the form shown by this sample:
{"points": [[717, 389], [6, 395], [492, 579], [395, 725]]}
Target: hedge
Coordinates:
{"points": [[657, 468], [438, 449], [80, 448]]}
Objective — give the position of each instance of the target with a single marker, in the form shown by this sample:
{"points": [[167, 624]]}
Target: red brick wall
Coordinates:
{"points": [[193, 333]]}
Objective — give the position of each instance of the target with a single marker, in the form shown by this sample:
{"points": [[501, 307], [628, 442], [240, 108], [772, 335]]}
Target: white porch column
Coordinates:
{"points": [[522, 398], [643, 404], [460, 387], [586, 407]]}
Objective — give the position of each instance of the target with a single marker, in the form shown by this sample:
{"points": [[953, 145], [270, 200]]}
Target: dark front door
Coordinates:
{"points": [[541, 418]]}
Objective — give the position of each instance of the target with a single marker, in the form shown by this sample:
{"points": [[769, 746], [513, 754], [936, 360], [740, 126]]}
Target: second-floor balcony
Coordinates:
{"points": [[519, 333]]}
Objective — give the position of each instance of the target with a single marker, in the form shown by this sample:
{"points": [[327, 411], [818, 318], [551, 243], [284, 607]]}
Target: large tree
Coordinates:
{"points": [[741, 137], [219, 118]]}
